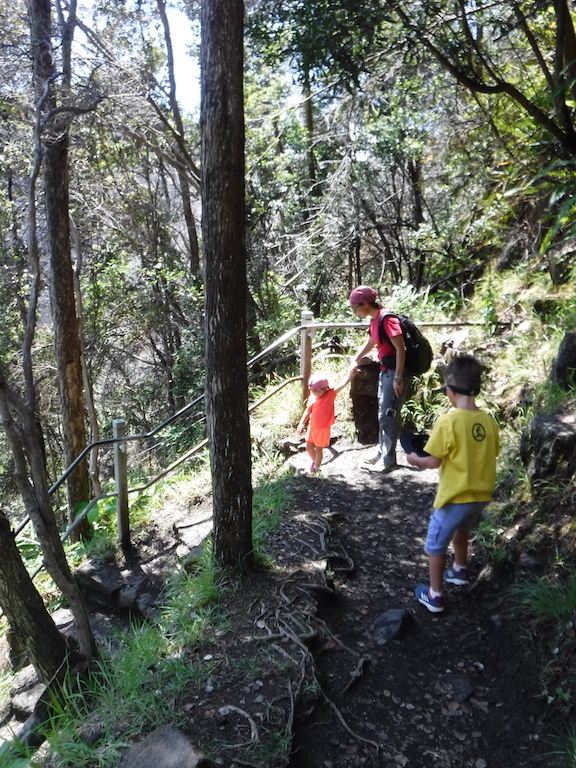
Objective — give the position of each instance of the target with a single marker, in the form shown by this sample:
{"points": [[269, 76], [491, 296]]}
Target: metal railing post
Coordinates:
{"points": [[306, 336], [121, 478]]}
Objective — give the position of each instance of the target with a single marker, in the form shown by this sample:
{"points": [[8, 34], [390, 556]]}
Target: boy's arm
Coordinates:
{"points": [[426, 462]]}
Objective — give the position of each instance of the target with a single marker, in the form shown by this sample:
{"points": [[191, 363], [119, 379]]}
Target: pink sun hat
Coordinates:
{"points": [[318, 381], [361, 294]]}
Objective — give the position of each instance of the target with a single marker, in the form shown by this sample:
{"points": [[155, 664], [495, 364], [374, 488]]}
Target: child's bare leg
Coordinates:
{"points": [[311, 449], [460, 544], [436, 565], [318, 456]]}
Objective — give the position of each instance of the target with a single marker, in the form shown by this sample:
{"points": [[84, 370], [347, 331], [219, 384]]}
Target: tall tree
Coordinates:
{"points": [[55, 121], [224, 255], [20, 422]]}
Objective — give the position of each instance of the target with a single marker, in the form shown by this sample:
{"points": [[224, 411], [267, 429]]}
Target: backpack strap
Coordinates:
{"points": [[382, 335], [388, 361]]}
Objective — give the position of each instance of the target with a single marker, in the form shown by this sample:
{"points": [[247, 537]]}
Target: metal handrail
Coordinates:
{"points": [[124, 439], [195, 449], [204, 442], [146, 435]]}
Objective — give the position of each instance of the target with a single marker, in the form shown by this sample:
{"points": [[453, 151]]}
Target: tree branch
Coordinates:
{"points": [[567, 138]]}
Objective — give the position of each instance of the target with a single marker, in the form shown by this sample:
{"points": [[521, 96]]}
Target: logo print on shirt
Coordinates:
{"points": [[478, 432]]}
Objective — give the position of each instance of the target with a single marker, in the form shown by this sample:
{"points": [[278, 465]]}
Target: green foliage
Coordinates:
{"points": [[324, 37], [427, 404], [132, 690], [555, 183], [496, 519], [565, 752], [543, 600], [191, 599], [270, 499]]}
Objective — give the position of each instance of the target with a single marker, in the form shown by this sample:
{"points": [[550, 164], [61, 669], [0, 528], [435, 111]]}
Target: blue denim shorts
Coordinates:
{"points": [[446, 521]]}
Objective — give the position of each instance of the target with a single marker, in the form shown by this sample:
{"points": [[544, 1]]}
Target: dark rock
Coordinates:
{"points": [[64, 620], [548, 446], [128, 595], [26, 678], [25, 691], [103, 582], [147, 607], [390, 625], [166, 747], [529, 562], [457, 687], [290, 446], [564, 366], [130, 589]]}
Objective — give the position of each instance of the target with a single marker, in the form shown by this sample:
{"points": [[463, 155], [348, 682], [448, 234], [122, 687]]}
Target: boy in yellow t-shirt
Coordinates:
{"points": [[463, 445]]}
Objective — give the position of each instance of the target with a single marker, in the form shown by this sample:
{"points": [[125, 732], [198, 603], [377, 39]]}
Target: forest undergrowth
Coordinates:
{"points": [[289, 650]]}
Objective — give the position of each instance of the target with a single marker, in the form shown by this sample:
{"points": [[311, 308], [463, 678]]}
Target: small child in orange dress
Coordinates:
{"points": [[319, 415]]}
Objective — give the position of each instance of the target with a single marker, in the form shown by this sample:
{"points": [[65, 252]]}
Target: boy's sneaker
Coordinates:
{"points": [[434, 604], [374, 459], [460, 577]]}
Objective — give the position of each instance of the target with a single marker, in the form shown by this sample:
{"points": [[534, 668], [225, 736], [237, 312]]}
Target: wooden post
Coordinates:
{"points": [[306, 337], [121, 478]]}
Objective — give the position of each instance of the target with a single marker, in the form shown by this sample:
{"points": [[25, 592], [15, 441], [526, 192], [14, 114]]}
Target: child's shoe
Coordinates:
{"points": [[312, 469], [434, 604], [460, 577]]}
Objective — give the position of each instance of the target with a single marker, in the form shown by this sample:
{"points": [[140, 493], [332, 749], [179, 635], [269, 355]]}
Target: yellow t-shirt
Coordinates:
{"points": [[467, 442]]}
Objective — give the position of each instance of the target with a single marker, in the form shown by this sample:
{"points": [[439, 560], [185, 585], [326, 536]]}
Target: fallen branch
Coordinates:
{"points": [[356, 674], [340, 717]]}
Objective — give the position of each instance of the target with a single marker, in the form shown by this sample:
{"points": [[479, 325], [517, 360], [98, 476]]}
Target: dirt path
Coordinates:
{"points": [[456, 689], [294, 664]]}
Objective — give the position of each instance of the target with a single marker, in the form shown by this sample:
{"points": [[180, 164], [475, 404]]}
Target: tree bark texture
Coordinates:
{"points": [[26, 447], [224, 254], [25, 610], [66, 331]]}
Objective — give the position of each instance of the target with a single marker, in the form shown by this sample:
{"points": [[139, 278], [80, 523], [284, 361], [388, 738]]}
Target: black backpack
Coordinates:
{"points": [[418, 349]]}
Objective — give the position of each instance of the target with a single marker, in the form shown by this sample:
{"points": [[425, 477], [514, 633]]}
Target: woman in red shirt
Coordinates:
{"points": [[395, 382]]}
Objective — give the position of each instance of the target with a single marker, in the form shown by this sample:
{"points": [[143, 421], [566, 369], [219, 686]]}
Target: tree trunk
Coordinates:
{"points": [[25, 610], [184, 185], [66, 331], [88, 389], [26, 445], [415, 176], [223, 229], [309, 123]]}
